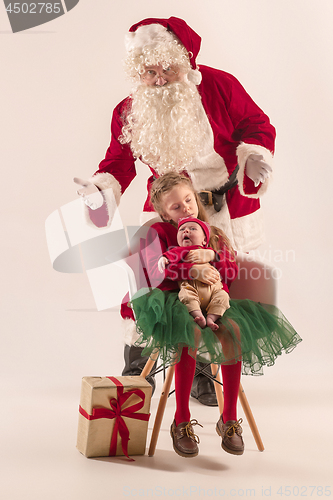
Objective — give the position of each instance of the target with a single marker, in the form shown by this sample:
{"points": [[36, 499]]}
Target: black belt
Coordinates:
{"points": [[216, 197]]}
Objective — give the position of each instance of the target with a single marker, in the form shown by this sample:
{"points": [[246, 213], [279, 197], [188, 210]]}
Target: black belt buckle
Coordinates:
{"points": [[216, 197], [211, 198], [218, 201], [206, 197]]}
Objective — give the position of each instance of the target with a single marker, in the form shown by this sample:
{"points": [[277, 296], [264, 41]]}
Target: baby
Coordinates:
{"points": [[197, 296]]}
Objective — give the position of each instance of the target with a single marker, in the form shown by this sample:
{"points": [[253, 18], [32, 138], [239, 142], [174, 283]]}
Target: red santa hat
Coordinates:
{"points": [[153, 32], [205, 226]]}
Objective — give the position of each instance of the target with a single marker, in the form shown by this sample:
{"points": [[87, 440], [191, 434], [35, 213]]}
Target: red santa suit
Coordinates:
{"points": [[238, 128]]}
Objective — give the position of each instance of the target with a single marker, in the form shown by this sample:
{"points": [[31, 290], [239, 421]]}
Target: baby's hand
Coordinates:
{"points": [[200, 256], [162, 262]]}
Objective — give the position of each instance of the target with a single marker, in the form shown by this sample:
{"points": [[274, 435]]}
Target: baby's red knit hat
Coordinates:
{"points": [[205, 226]]}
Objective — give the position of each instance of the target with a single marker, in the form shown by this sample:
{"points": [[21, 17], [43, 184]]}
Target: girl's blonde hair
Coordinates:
{"points": [[166, 183]]}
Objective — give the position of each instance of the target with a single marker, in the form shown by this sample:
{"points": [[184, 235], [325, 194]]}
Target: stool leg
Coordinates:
{"points": [[218, 388], [160, 409], [150, 363], [250, 418]]}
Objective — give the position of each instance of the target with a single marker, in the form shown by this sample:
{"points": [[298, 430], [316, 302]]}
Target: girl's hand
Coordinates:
{"points": [[205, 273], [200, 255]]}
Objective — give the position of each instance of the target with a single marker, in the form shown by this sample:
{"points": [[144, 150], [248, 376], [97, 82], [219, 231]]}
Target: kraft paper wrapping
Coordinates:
{"points": [[94, 436]]}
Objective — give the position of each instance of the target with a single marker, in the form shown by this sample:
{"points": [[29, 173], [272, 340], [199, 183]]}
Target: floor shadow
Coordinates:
{"points": [[166, 460]]}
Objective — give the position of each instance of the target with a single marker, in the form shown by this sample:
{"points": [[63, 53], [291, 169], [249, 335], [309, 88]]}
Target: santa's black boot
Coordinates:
{"points": [[203, 387], [134, 363]]}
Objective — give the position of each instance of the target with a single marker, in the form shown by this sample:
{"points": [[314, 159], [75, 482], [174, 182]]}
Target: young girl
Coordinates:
{"points": [[248, 333]]}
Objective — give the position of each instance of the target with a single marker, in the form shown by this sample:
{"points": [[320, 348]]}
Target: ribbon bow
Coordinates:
{"points": [[118, 413]]}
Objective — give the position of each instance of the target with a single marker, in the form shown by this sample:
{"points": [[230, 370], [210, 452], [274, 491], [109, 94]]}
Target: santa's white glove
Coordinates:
{"points": [[257, 169], [163, 261], [90, 194]]}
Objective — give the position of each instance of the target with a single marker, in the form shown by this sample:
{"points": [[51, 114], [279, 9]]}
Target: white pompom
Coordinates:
{"points": [[129, 41], [194, 76]]}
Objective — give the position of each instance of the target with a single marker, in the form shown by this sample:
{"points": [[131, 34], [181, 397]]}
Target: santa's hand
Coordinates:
{"points": [[257, 169], [90, 194], [163, 261]]}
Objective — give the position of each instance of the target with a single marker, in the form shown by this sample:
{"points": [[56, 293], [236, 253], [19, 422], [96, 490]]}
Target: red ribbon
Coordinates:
{"points": [[118, 413]]}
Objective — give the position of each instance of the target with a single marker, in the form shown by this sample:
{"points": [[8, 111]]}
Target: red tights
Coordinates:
{"points": [[184, 373], [231, 375]]}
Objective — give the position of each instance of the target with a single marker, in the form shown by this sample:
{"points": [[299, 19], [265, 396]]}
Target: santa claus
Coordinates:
{"points": [[185, 118]]}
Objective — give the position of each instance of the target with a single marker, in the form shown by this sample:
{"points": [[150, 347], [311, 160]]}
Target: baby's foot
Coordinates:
{"points": [[199, 318], [211, 318]]}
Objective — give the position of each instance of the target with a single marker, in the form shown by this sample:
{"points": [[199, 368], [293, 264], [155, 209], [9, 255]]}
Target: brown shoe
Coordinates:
{"points": [[185, 442], [231, 434]]}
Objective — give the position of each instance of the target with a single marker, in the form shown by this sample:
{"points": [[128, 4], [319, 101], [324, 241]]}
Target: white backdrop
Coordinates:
{"points": [[59, 83]]}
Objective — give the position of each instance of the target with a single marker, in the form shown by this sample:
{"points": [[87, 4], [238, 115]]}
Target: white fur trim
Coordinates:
{"points": [[111, 192], [248, 231], [130, 335], [194, 76], [151, 34], [208, 170], [106, 181], [221, 220], [243, 152]]}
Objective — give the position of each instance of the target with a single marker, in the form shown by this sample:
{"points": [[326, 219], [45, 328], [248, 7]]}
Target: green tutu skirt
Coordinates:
{"points": [[251, 332]]}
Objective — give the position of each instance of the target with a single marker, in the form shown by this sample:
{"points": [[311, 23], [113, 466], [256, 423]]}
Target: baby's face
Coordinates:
{"points": [[191, 233]]}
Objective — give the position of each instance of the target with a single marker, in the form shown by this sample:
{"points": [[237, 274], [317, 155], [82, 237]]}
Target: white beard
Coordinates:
{"points": [[167, 126]]}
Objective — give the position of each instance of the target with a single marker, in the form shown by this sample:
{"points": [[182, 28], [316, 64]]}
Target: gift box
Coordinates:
{"points": [[113, 416]]}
